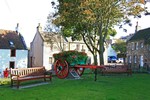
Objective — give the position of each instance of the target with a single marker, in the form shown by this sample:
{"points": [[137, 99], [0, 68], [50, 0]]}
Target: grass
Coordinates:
{"points": [[116, 87]]}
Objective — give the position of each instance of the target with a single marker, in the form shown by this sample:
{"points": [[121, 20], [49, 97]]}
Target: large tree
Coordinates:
{"points": [[93, 20]]}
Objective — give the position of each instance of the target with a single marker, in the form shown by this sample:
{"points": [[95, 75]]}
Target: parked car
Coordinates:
{"points": [[119, 60], [112, 59]]}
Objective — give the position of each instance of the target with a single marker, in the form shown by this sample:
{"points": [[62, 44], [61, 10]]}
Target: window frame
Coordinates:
{"points": [[13, 53]]}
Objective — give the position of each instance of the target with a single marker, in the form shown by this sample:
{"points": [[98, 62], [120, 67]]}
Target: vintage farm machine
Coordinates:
{"points": [[72, 62]]}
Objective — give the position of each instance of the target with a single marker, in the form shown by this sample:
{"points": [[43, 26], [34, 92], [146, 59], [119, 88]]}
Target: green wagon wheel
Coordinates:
{"points": [[79, 71], [61, 69]]}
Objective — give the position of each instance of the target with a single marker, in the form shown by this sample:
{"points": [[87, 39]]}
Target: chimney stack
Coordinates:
{"points": [[136, 27], [17, 28], [39, 28]]}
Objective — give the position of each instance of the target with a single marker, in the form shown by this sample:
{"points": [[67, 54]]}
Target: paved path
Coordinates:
{"points": [[32, 85]]}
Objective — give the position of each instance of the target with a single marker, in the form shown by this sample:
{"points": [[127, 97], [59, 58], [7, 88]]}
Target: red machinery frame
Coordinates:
{"points": [[95, 67], [62, 69]]}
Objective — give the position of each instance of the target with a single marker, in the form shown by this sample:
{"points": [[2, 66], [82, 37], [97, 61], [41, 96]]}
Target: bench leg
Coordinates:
{"points": [[50, 78], [11, 83], [45, 79], [18, 83]]}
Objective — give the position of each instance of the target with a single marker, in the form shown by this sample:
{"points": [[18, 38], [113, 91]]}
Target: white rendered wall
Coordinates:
{"points": [[21, 59], [46, 55]]}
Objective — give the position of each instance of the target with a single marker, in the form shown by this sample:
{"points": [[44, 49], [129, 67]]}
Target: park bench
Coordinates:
{"points": [[19, 75], [109, 69]]}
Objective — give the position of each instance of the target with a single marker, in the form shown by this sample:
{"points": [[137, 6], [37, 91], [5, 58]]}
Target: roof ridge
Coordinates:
{"points": [[141, 34], [3, 31]]}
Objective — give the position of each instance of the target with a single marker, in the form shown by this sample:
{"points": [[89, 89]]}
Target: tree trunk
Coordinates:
{"points": [[95, 59], [124, 61], [101, 56], [101, 50]]}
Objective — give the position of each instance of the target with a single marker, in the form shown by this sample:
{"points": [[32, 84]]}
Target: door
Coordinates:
{"points": [[11, 64]]}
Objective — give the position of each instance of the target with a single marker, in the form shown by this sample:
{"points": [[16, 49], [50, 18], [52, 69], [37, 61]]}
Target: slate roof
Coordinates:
{"points": [[49, 37], [11, 39], [141, 35], [45, 35]]}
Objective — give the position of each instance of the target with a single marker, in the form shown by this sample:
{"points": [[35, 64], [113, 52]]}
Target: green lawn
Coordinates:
{"points": [[116, 87]]}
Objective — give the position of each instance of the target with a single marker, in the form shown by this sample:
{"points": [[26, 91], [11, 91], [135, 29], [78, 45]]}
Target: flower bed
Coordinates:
{"points": [[72, 57]]}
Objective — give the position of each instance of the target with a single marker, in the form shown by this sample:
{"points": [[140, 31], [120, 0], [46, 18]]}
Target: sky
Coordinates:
{"points": [[28, 13]]}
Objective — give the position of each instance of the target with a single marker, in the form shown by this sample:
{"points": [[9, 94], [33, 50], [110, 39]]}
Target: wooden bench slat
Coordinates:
{"points": [[24, 74]]}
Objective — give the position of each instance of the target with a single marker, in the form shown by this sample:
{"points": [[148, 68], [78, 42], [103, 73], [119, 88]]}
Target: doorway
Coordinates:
{"points": [[12, 64]]}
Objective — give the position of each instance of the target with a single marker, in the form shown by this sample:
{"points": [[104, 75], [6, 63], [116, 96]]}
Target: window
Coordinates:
{"points": [[135, 59], [132, 46], [11, 64], [141, 61], [137, 46], [77, 47], [141, 44], [129, 59], [83, 50], [11, 43], [12, 53], [50, 60]]}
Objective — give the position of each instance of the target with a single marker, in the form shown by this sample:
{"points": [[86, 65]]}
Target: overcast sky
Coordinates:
{"points": [[28, 13]]}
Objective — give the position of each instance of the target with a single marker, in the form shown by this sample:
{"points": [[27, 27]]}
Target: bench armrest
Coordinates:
{"points": [[13, 75]]}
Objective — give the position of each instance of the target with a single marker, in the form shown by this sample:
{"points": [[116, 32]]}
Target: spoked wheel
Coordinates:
{"points": [[61, 69], [79, 71]]}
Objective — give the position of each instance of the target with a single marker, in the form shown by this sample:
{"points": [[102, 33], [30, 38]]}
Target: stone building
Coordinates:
{"points": [[138, 50]]}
